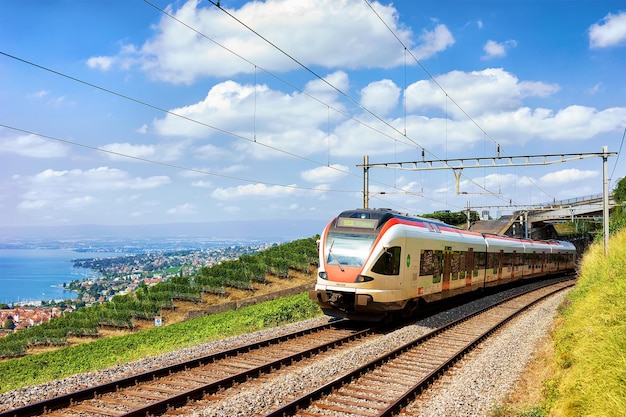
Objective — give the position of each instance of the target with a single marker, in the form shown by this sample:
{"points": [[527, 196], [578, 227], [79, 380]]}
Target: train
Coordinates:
{"points": [[377, 264]]}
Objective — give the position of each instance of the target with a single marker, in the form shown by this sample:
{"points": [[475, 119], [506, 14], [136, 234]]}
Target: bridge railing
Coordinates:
{"points": [[570, 201]]}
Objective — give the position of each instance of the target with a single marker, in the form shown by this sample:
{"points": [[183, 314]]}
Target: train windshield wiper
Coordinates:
{"points": [[332, 255]]}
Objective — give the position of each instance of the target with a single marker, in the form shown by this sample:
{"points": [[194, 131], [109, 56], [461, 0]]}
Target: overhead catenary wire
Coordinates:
{"points": [[619, 152], [291, 154], [345, 95], [291, 85], [144, 103], [347, 115], [315, 74], [434, 80], [167, 164]]}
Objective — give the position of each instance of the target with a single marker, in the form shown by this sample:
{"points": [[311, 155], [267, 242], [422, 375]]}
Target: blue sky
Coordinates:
{"points": [[135, 112]]}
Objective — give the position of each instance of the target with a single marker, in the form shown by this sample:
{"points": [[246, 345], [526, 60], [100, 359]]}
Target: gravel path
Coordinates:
{"points": [[481, 380]]}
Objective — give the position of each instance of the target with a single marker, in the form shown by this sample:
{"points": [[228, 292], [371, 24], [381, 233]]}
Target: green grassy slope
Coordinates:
{"points": [[590, 342], [104, 353]]}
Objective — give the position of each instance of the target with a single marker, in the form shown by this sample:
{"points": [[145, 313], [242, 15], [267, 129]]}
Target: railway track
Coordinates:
{"points": [[383, 387], [157, 391], [380, 387]]}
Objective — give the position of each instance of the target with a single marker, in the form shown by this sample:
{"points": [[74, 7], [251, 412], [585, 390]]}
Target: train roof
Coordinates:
{"points": [[375, 218]]}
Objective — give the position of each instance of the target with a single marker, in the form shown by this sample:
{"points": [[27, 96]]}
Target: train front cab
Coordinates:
{"points": [[360, 267]]}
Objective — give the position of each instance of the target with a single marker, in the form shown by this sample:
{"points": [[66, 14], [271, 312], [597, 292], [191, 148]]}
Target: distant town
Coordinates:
{"points": [[120, 275]]}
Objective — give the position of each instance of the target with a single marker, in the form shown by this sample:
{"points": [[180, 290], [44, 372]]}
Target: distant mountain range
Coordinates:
{"points": [[276, 230]]}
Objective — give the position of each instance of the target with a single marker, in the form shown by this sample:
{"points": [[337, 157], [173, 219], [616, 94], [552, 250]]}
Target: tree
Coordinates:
{"points": [[455, 218], [180, 280], [619, 193], [9, 324]]}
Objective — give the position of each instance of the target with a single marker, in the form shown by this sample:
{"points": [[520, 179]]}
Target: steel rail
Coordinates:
{"points": [[66, 400], [305, 400]]}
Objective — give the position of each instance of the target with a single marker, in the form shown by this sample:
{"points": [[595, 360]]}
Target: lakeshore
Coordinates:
{"points": [[30, 276], [35, 276]]}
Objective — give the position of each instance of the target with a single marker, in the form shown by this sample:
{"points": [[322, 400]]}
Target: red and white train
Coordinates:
{"points": [[377, 262]]}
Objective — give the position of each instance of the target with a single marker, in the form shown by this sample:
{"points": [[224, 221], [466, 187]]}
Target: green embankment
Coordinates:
{"points": [[104, 353], [590, 341]]}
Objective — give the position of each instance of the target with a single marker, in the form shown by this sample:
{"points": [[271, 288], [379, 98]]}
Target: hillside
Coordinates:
{"points": [[266, 275]]}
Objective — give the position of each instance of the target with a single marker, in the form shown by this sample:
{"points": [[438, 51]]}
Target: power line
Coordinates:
{"points": [[257, 66], [309, 70], [165, 164], [141, 102], [618, 153], [448, 96], [345, 95]]}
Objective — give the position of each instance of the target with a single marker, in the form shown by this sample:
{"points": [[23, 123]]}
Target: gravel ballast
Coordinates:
{"points": [[484, 378]]}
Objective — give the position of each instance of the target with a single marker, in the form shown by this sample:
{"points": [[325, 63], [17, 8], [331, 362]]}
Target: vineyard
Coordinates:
{"points": [[148, 302]]}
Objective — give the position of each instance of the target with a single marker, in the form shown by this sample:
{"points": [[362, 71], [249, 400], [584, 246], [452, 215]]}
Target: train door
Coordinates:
{"points": [[514, 264], [447, 270], [500, 257], [469, 267]]}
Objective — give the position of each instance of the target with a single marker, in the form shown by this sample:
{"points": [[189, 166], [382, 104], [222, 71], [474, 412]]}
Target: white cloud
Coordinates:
{"points": [[255, 191], [571, 123], [165, 152], [33, 146], [434, 41], [324, 33], [121, 150], [212, 152], [40, 94], [597, 88], [495, 49], [202, 184], [565, 176], [103, 63], [476, 92], [183, 209], [326, 88], [326, 174], [103, 178], [380, 97], [290, 122], [491, 182], [611, 32], [73, 189]]}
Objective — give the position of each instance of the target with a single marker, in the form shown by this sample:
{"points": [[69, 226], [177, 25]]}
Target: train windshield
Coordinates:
{"points": [[348, 249]]}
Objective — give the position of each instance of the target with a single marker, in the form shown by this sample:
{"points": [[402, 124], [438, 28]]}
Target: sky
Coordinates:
{"points": [[132, 112]]}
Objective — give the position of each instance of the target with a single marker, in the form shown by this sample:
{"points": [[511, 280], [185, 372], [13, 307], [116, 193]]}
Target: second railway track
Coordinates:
{"points": [[215, 380], [156, 391]]}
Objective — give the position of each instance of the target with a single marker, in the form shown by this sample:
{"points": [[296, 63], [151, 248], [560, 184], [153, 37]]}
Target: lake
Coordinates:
{"points": [[39, 274]]}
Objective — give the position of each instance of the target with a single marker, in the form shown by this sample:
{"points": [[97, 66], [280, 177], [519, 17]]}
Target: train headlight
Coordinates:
{"points": [[323, 275], [363, 278]]}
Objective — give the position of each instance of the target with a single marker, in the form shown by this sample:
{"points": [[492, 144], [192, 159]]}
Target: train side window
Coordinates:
{"points": [[481, 262], [427, 263], [493, 262], [389, 262], [438, 264], [507, 260], [455, 265], [528, 260], [464, 264]]}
